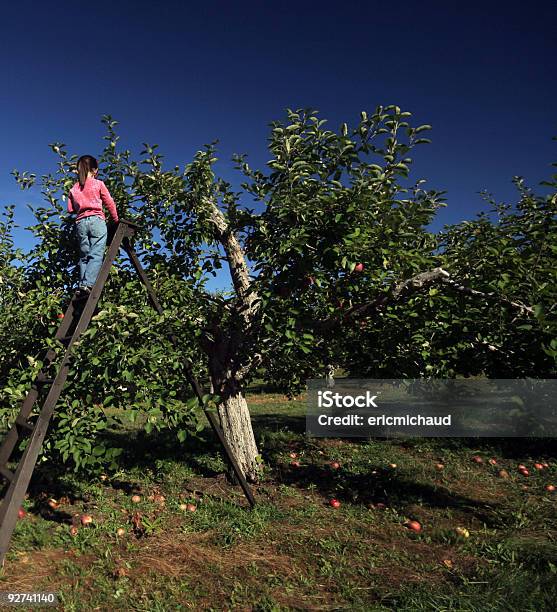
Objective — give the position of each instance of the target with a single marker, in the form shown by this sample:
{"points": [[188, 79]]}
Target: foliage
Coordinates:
{"points": [[333, 222]]}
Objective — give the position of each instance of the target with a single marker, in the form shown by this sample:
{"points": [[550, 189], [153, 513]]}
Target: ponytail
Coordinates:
{"points": [[85, 164]]}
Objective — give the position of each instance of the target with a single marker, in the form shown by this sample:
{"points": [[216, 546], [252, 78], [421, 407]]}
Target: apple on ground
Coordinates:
{"points": [[335, 465], [504, 474], [86, 519], [295, 464], [53, 503], [492, 461], [439, 466], [21, 513], [413, 525], [463, 532], [477, 459], [135, 499], [120, 532], [293, 455], [550, 488], [73, 531], [191, 507], [524, 471], [538, 466], [334, 503], [392, 466]]}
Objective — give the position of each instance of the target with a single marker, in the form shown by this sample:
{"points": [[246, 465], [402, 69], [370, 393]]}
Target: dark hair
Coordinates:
{"points": [[85, 164]]}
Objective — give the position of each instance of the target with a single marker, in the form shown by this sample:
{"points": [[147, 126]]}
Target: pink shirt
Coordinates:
{"points": [[89, 200]]}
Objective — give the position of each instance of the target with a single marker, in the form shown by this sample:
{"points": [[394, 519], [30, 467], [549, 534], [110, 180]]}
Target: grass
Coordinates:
{"points": [[294, 551]]}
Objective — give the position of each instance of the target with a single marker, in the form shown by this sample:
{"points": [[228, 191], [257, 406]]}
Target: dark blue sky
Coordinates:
{"points": [[181, 74]]}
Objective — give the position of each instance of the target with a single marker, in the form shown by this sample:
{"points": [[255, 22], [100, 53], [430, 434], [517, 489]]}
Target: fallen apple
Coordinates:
{"points": [[86, 519], [21, 513], [120, 532], [504, 474], [492, 461], [413, 525], [521, 466], [545, 465], [538, 466], [392, 465], [550, 488], [463, 532], [73, 531], [295, 464], [53, 503], [335, 465], [191, 507], [524, 471], [439, 466], [334, 503], [159, 499], [135, 499], [293, 455], [477, 459], [183, 507]]}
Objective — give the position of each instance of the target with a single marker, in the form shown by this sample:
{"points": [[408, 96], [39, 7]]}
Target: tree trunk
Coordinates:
{"points": [[237, 429]]}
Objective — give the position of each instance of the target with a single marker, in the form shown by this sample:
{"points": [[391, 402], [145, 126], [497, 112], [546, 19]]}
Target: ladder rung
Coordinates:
{"points": [[66, 338], [24, 424], [8, 474], [44, 380]]}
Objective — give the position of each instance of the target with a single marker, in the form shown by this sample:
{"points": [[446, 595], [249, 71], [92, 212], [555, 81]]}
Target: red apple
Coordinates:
{"points": [[439, 466], [53, 503], [295, 464], [545, 465], [538, 466], [524, 472], [492, 461], [521, 466], [392, 465], [21, 513], [73, 531], [86, 519], [293, 455], [60, 315], [335, 465], [135, 499], [359, 267], [413, 525], [477, 459], [334, 503], [191, 507], [550, 488]]}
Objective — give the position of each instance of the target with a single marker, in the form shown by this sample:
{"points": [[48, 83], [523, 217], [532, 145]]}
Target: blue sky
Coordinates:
{"points": [[181, 74]]}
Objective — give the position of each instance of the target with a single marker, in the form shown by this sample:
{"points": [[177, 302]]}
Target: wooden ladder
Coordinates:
{"points": [[76, 320]]}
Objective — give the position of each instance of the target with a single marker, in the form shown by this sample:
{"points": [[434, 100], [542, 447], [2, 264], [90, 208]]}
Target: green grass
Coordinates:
{"points": [[294, 551]]}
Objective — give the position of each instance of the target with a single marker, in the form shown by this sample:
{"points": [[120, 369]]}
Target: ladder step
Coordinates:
{"points": [[24, 424], [42, 379], [66, 338], [8, 474]]}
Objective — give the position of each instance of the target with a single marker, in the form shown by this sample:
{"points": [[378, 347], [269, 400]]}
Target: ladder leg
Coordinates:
{"points": [[191, 378]]}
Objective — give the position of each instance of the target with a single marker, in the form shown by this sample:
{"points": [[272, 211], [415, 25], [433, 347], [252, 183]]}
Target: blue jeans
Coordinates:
{"points": [[91, 233]]}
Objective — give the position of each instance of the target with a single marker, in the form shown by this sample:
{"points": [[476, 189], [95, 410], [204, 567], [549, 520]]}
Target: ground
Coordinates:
{"points": [[295, 551]]}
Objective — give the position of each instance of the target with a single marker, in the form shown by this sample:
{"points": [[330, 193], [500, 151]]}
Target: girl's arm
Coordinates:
{"points": [[108, 202], [70, 204]]}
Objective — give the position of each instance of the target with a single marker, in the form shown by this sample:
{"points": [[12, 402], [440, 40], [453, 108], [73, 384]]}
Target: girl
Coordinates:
{"points": [[86, 198]]}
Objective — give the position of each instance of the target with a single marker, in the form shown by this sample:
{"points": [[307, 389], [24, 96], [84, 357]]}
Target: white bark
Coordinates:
{"points": [[236, 425]]}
